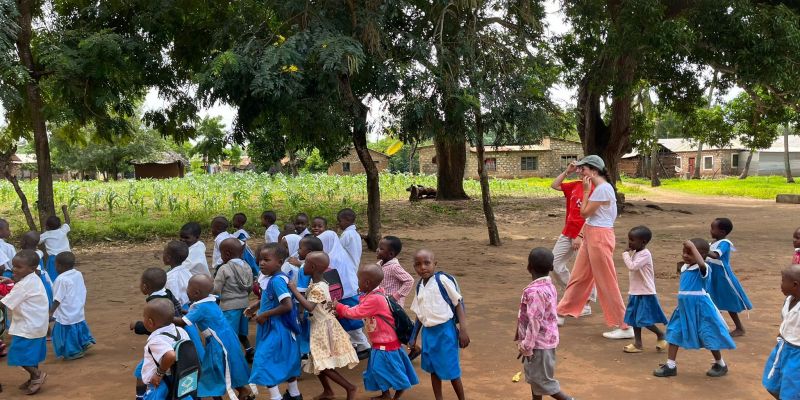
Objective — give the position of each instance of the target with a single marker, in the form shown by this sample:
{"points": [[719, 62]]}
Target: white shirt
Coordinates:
{"points": [[304, 233], [606, 214], [271, 234], [351, 241], [241, 232], [429, 305], [197, 259], [790, 327], [9, 252], [178, 280], [159, 345], [29, 308], [55, 241], [216, 257], [70, 293], [5, 262], [641, 275]]}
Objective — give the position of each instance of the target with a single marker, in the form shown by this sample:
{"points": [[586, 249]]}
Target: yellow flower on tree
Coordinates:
{"points": [[290, 69]]}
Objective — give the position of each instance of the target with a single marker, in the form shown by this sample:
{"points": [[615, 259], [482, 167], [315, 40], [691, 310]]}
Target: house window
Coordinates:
{"points": [[490, 164], [565, 160], [734, 160], [345, 167], [433, 160], [377, 162], [529, 163], [678, 163], [708, 162]]}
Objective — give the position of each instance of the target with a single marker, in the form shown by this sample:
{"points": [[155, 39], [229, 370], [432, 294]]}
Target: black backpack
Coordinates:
{"points": [[186, 370], [403, 326]]}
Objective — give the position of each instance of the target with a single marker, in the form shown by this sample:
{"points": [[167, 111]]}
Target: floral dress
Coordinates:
{"points": [[330, 344]]}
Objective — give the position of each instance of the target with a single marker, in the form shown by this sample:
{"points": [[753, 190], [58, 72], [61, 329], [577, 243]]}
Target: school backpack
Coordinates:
{"points": [[403, 326], [445, 296], [335, 288], [186, 369]]}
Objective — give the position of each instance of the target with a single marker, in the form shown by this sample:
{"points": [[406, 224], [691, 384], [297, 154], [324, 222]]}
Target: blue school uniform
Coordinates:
{"points": [[249, 257], [277, 357], [440, 351], [223, 365], [782, 371], [696, 322], [161, 392], [723, 286], [24, 352], [237, 321], [644, 310], [389, 370], [304, 336], [51, 267], [71, 341]]}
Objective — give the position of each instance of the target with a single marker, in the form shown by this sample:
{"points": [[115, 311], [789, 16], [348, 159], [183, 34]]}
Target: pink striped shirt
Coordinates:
{"points": [[537, 323], [396, 281], [796, 257]]}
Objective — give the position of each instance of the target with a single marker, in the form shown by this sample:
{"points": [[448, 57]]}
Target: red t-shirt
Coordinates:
{"points": [[573, 191]]}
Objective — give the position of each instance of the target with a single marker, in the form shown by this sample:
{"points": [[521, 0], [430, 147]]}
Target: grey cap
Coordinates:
{"points": [[593, 160]]}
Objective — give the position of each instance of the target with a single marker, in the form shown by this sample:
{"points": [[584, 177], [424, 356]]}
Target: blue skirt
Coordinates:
{"points": [[24, 352], [71, 341], [644, 310], [137, 372], [51, 268], [161, 392], [697, 324], [440, 351], [277, 357], [725, 289], [389, 370], [350, 324], [782, 371], [8, 274], [212, 368], [47, 288], [194, 336], [304, 337], [237, 321]]}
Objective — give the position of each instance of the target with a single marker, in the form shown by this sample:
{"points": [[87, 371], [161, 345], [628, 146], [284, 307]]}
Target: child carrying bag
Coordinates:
{"points": [[438, 277], [185, 372], [403, 326]]}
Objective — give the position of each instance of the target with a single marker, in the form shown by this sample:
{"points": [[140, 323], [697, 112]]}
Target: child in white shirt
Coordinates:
{"points": [[55, 240], [175, 256], [7, 250], [190, 234], [272, 233], [238, 221], [351, 240], [71, 335], [159, 355], [782, 371], [219, 229]]}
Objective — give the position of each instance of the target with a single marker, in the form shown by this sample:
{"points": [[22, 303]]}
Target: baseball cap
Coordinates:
{"points": [[593, 160]]}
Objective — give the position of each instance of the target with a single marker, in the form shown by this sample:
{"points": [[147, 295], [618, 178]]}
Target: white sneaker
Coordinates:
{"points": [[619, 334], [587, 310], [560, 321]]}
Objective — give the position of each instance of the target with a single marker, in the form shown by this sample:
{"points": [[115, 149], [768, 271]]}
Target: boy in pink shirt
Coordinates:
{"points": [[397, 282], [382, 373]]}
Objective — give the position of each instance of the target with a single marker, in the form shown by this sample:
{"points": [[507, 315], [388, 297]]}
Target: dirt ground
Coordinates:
{"points": [[589, 366]]}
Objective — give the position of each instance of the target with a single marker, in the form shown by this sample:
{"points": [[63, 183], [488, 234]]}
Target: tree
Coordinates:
{"points": [[214, 139], [756, 125], [786, 160]]}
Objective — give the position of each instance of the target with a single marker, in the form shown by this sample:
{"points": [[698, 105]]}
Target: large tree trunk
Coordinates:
{"points": [[746, 170], [451, 159], [45, 203], [358, 111], [486, 197], [698, 159], [787, 162], [654, 181]]}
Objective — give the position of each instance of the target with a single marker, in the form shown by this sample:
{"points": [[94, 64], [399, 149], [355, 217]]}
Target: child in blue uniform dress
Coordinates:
{"points": [[223, 366], [307, 245], [71, 335], [277, 356], [29, 241], [696, 323], [782, 371], [723, 286], [238, 221]]}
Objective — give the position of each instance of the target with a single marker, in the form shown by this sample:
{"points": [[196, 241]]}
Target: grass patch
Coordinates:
{"points": [[755, 187]]}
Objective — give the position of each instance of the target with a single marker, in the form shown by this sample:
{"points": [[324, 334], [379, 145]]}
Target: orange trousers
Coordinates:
{"points": [[594, 267]]}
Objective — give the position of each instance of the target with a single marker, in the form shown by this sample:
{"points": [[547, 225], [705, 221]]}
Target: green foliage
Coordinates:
{"points": [[756, 187], [214, 139], [399, 161]]}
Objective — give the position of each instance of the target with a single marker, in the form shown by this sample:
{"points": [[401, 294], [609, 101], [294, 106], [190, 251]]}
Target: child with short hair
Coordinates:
{"points": [[723, 286], [389, 366], [176, 256], [351, 240], [277, 356], [55, 240], [27, 303], [223, 366], [441, 340], [238, 221], [397, 282], [318, 225], [537, 328], [330, 344], [307, 245], [159, 355], [71, 335], [644, 310], [190, 234], [781, 375], [696, 322], [219, 230], [300, 224], [7, 250], [268, 219], [29, 241], [233, 284]]}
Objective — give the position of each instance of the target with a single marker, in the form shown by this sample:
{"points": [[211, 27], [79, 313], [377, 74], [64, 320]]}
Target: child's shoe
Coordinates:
{"points": [[287, 396], [619, 334], [661, 345], [631, 348], [587, 310], [664, 371], [717, 370]]}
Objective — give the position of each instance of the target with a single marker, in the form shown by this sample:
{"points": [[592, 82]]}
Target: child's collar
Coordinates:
{"points": [[160, 292]]}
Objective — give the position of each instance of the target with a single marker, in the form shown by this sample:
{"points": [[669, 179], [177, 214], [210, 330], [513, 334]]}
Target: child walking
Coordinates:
{"points": [[55, 240], [537, 328], [396, 281], [219, 230], [238, 221], [644, 310], [388, 367], [233, 284], [782, 371], [277, 356], [175, 256], [318, 225], [190, 234], [7, 250], [330, 344], [301, 224], [696, 322], [723, 286], [268, 219], [71, 335], [159, 356], [29, 241], [441, 339], [27, 303], [351, 240]]}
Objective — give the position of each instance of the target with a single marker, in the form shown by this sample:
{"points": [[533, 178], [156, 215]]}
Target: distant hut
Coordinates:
{"points": [[162, 165]]}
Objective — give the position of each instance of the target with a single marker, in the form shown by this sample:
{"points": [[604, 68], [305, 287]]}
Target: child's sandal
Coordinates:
{"points": [[36, 384], [25, 385], [631, 349], [661, 345]]}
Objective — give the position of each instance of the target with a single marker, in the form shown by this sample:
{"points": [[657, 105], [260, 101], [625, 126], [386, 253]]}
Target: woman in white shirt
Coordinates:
{"points": [[595, 261]]}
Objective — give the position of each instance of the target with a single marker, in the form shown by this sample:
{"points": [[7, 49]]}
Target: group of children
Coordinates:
{"points": [[318, 310]]}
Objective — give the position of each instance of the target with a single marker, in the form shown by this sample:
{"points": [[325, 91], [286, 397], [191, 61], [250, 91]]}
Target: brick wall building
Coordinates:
{"points": [[714, 161], [635, 165], [546, 159], [350, 164]]}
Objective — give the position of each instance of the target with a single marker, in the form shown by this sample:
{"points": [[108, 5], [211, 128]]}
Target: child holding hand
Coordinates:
{"points": [[71, 335], [782, 371], [537, 328], [643, 309]]}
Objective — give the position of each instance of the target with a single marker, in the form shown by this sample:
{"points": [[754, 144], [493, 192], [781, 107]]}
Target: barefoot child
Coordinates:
{"points": [[233, 284], [441, 339], [71, 335], [159, 355], [396, 281], [27, 303], [219, 230], [643, 310], [351, 240], [175, 257], [55, 240], [330, 344], [277, 356], [537, 328], [782, 372], [272, 232], [389, 367], [723, 286], [696, 322], [190, 234], [223, 366]]}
